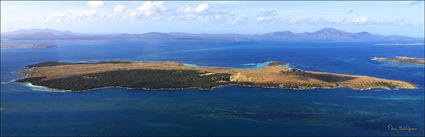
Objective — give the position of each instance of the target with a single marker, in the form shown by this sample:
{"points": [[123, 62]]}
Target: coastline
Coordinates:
{"points": [[43, 76], [43, 88], [47, 89]]}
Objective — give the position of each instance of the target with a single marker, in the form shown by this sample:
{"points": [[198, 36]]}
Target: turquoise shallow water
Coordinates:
{"points": [[227, 110]]}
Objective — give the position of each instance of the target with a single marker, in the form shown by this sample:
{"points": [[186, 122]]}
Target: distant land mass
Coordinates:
{"points": [[328, 34], [26, 46], [175, 75], [400, 59], [403, 44]]}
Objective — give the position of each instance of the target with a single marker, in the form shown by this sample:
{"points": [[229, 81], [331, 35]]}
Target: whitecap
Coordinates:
{"points": [[41, 88], [249, 64], [190, 65], [7, 82]]}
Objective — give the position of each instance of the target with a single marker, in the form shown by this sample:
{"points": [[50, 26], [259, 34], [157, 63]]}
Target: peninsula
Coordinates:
{"points": [[399, 59], [175, 75]]}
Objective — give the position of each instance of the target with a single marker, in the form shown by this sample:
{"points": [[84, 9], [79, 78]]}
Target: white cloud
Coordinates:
{"points": [[270, 17], [261, 18], [192, 10], [149, 10], [338, 21], [95, 3], [157, 10], [149, 6], [391, 21], [217, 16], [81, 15], [201, 7], [119, 8], [134, 14], [267, 19], [186, 9], [268, 13], [361, 20], [189, 17]]}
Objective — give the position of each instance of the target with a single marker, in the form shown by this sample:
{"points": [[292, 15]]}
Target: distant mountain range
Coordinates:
{"points": [[325, 34]]}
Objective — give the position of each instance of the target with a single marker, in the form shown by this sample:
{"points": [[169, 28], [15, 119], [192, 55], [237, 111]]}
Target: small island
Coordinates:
{"points": [[25, 46], [175, 75], [403, 44], [399, 59]]}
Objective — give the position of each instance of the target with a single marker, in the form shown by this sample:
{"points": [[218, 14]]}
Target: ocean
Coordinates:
{"points": [[229, 110]]}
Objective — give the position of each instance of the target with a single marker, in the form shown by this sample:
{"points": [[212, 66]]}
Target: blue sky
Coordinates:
{"points": [[381, 17]]}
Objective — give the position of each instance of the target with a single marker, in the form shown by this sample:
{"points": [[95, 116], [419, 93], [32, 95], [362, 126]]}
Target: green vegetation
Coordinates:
{"points": [[383, 84], [56, 63], [399, 59], [50, 63], [149, 79], [166, 75]]}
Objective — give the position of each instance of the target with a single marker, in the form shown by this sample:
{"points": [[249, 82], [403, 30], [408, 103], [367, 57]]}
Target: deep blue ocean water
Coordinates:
{"points": [[228, 110]]}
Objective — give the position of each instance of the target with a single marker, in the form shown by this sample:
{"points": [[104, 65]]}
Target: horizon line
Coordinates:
{"points": [[216, 33]]}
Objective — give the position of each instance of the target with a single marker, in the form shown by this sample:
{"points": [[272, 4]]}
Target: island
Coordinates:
{"points": [[175, 75], [400, 59], [402, 44], [25, 46]]}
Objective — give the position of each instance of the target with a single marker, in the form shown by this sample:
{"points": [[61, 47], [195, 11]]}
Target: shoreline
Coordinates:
{"points": [[47, 89], [169, 75], [43, 88]]}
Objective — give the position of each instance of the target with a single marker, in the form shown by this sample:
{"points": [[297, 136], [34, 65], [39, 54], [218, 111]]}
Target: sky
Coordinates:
{"points": [[241, 17]]}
